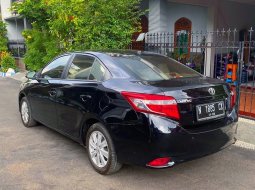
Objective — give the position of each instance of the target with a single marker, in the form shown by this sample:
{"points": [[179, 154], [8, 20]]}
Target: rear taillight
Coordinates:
{"points": [[151, 103], [232, 97]]}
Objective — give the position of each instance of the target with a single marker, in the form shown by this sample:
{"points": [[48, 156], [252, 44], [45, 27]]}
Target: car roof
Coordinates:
{"points": [[116, 52], [107, 57]]}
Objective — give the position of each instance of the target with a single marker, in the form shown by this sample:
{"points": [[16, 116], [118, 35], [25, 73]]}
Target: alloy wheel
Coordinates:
{"points": [[24, 112], [98, 149]]}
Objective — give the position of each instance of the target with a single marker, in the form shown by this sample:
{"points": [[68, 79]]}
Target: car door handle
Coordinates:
{"points": [[85, 98], [52, 93]]}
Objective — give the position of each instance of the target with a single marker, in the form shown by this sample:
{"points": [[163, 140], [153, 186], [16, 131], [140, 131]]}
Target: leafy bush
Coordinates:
{"points": [[7, 61], [3, 38], [41, 49], [64, 25]]}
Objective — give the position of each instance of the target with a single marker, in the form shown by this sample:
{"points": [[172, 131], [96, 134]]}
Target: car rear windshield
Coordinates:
{"points": [[154, 67]]}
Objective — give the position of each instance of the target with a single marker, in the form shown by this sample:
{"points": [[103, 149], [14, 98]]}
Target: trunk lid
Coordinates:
{"points": [[191, 93]]}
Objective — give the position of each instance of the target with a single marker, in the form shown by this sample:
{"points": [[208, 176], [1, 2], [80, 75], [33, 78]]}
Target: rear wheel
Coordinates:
{"points": [[25, 112], [101, 150]]}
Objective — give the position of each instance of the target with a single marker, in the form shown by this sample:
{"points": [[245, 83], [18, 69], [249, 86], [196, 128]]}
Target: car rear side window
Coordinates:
{"points": [[80, 67], [97, 72], [55, 68], [86, 68]]}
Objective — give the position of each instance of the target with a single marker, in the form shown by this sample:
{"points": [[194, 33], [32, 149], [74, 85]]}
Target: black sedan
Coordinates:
{"points": [[131, 107]]}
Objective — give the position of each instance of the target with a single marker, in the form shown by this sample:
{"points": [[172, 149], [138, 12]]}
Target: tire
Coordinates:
{"points": [[26, 114], [97, 152]]}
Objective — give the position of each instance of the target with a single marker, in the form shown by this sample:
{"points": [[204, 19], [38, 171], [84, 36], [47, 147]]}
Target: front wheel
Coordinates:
{"points": [[101, 150], [25, 112]]}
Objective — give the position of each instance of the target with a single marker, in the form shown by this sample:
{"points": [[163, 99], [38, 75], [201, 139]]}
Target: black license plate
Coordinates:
{"points": [[210, 110]]}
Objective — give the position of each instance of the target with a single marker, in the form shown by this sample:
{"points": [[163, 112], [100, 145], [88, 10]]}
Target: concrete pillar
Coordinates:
{"points": [[25, 23], [157, 16], [211, 26], [164, 16]]}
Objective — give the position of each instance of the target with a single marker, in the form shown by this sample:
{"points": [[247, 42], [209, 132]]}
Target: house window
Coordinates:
{"points": [[182, 38]]}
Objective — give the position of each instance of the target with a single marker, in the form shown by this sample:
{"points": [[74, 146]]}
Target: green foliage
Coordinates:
{"points": [[3, 38], [7, 61], [34, 10], [67, 25], [106, 24], [41, 49]]}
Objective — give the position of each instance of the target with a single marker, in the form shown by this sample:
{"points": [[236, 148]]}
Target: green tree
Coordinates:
{"points": [[41, 48], [67, 25]]}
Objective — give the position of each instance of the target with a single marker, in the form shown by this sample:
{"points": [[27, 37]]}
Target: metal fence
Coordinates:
{"points": [[247, 78], [224, 54]]}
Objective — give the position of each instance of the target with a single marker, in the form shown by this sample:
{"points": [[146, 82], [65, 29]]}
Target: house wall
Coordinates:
{"points": [[5, 5], [228, 14], [14, 34], [164, 14], [155, 15], [197, 15]]}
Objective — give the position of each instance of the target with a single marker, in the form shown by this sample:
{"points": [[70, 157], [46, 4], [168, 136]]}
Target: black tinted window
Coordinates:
{"points": [[55, 68], [97, 72], [87, 68], [81, 67], [170, 67], [154, 67]]}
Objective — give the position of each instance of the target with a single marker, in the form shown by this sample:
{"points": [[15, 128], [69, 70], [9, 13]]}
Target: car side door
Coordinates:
{"points": [[78, 92], [42, 94]]}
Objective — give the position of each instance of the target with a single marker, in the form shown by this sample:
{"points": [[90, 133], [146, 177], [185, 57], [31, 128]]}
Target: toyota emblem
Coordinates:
{"points": [[211, 91]]}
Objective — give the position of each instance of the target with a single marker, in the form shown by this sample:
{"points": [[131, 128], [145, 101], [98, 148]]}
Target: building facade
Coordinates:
{"points": [[181, 18], [203, 14], [214, 37], [15, 26]]}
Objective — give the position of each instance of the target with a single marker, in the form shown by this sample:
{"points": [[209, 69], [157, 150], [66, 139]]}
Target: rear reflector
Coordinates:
{"points": [[160, 162], [151, 103]]}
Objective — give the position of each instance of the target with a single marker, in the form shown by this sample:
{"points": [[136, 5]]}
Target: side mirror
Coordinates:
{"points": [[31, 75]]}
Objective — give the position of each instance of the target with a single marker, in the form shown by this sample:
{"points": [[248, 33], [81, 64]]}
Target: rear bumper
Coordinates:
{"points": [[206, 143], [168, 139]]}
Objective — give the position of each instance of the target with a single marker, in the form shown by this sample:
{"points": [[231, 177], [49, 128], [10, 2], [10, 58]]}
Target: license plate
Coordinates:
{"points": [[210, 110]]}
